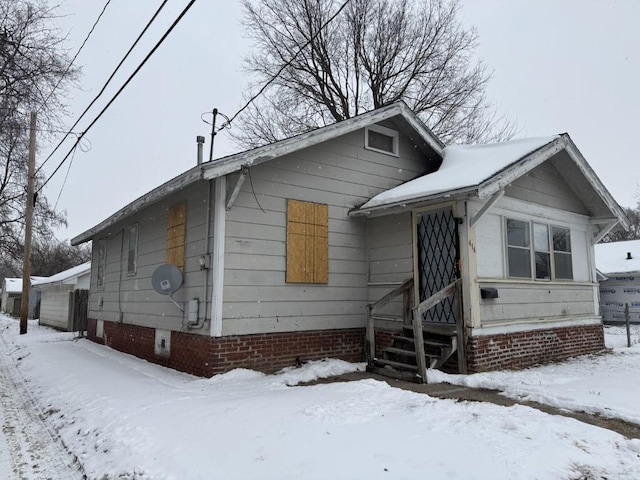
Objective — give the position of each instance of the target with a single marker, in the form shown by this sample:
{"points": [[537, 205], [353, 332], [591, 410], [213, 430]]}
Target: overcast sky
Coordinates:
{"points": [[559, 66]]}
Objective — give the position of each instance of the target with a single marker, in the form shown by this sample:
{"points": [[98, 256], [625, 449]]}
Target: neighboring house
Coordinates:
{"points": [[64, 298], [619, 264], [11, 297], [284, 249]]}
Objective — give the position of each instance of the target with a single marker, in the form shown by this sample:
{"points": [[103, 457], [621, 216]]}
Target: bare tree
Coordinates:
{"points": [[35, 72], [51, 256], [373, 53], [633, 214]]}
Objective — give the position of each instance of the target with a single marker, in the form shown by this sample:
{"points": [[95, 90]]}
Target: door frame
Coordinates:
{"points": [[416, 264], [461, 322]]}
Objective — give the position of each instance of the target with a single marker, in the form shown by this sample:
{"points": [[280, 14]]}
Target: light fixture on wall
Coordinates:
{"points": [[202, 261]]}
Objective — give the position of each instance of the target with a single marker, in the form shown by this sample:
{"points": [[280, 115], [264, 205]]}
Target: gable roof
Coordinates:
{"points": [[612, 257], [463, 167], [69, 276], [482, 170], [407, 121]]}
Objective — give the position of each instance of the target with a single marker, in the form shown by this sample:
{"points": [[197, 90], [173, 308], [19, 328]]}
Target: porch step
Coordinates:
{"points": [[429, 342], [396, 365], [400, 351], [397, 374], [381, 316]]}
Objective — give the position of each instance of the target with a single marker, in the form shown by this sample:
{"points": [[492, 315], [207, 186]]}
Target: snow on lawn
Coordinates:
{"points": [[606, 384], [126, 418]]}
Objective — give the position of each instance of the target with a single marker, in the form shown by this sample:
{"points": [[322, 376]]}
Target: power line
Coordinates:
{"points": [[135, 72], [64, 182], [77, 53], [277, 74], [106, 84]]}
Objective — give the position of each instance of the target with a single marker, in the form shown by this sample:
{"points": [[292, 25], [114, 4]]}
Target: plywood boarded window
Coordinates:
{"points": [[176, 225], [307, 242]]}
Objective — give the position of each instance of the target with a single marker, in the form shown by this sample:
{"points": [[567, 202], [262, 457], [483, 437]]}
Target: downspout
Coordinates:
{"points": [[217, 264], [205, 264]]}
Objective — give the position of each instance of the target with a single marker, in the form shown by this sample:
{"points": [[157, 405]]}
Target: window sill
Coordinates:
{"points": [[525, 281]]}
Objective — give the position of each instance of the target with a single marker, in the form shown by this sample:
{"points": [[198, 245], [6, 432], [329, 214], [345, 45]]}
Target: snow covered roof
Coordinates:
{"points": [[14, 285], [483, 170], [612, 257], [69, 276], [400, 112], [463, 166]]}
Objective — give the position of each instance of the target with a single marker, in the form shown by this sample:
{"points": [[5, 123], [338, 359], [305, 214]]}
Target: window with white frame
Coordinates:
{"points": [[539, 251], [132, 258], [102, 261], [381, 139]]}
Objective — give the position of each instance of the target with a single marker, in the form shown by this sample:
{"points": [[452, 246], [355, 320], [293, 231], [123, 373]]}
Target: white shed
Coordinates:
{"points": [[619, 264], [58, 304], [11, 297]]}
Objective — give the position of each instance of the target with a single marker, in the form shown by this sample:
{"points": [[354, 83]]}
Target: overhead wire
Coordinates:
{"points": [[64, 182], [77, 53], [289, 62], [120, 90], [106, 84]]}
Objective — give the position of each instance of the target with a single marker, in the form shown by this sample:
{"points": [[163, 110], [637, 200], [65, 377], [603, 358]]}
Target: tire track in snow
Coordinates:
{"points": [[35, 452]]}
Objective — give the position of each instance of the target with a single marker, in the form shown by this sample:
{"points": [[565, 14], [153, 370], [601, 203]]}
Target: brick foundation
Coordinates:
{"points": [[206, 356], [525, 349]]}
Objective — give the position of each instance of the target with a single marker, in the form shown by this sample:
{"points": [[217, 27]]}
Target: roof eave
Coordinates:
{"points": [[508, 175], [259, 155], [233, 163], [167, 188], [387, 208], [595, 182]]}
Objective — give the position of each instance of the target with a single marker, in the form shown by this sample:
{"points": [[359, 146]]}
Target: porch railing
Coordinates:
{"points": [[373, 308], [418, 313]]}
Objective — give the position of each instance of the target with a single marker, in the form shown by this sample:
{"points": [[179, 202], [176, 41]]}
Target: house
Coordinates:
{"points": [[11, 297], [351, 241], [619, 264], [63, 300]]}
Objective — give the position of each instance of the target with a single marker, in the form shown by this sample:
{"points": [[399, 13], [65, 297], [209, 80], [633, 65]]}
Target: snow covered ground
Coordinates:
{"points": [[128, 419], [608, 385]]}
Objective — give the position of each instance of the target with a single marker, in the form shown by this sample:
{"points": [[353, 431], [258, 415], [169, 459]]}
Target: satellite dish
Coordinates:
{"points": [[166, 279]]}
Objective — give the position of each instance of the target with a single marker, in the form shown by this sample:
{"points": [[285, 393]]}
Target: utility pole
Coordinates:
{"points": [[28, 223]]}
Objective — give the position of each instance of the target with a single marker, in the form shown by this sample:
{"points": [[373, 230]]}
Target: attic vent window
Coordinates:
{"points": [[381, 139]]}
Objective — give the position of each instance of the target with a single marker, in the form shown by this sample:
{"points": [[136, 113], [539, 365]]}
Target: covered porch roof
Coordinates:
{"points": [[484, 171]]}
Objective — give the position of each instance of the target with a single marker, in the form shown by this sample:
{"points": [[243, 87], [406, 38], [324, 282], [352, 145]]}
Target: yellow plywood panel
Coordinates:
{"points": [[307, 242], [176, 215], [295, 258], [175, 242], [298, 228], [319, 231], [296, 211], [321, 260], [175, 256], [321, 215], [176, 226]]}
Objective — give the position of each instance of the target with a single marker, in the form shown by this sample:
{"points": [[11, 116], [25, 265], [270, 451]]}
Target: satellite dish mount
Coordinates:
{"points": [[166, 280]]}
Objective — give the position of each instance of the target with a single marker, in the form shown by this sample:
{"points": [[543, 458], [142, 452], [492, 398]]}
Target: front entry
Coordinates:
{"points": [[437, 261]]}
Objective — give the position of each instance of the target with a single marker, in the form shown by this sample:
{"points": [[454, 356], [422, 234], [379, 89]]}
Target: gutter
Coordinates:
{"points": [[459, 194]]}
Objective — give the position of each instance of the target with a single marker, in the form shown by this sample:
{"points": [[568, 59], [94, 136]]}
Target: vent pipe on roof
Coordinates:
{"points": [[629, 256], [200, 141]]}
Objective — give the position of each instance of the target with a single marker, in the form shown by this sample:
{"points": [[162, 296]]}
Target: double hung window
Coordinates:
{"points": [[538, 251]]}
